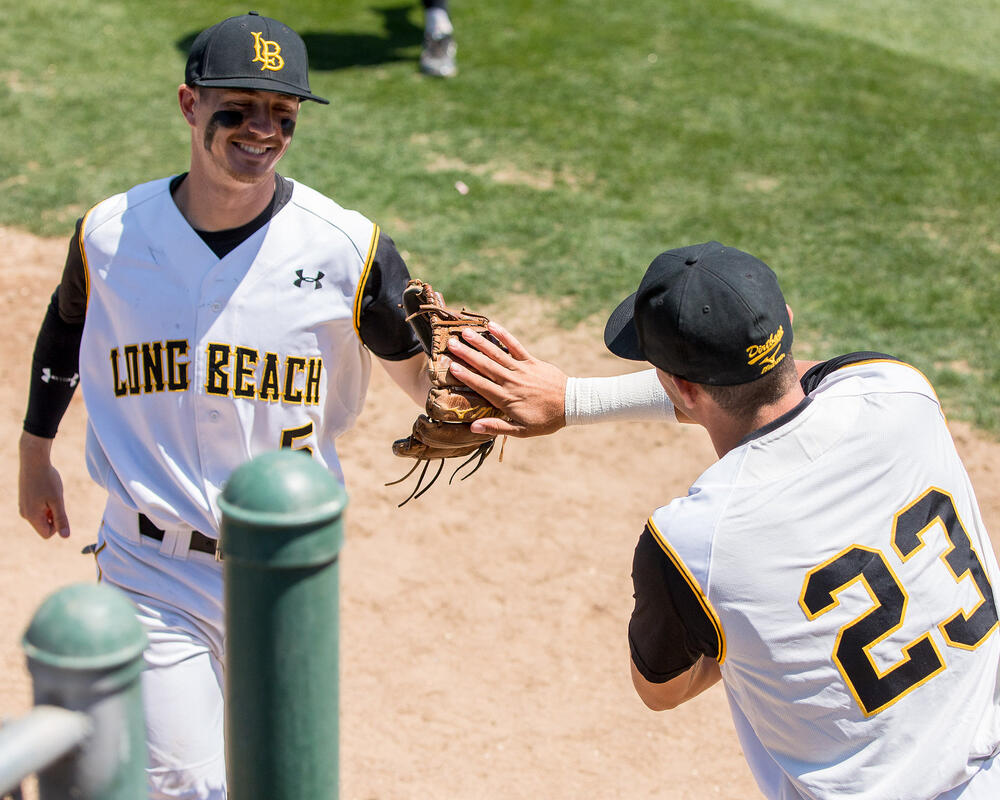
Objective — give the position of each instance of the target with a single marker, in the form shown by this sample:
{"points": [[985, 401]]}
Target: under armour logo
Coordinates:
{"points": [[267, 52], [48, 377], [303, 279]]}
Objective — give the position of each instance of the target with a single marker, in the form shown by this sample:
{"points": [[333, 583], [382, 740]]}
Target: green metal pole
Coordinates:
{"points": [[84, 648], [281, 538]]}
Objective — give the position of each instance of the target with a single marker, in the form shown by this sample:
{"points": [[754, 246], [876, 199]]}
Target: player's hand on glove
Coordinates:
{"points": [[530, 393], [39, 488], [445, 431]]}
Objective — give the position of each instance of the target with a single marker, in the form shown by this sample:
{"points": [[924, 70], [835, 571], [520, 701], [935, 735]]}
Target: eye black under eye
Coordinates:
{"points": [[228, 118], [288, 126]]}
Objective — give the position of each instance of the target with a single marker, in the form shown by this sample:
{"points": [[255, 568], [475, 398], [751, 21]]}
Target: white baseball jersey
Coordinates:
{"points": [[191, 364], [836, 565]]}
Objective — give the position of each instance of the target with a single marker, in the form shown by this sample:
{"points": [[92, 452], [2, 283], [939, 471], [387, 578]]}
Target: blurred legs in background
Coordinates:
{"points": [[438, 55]]}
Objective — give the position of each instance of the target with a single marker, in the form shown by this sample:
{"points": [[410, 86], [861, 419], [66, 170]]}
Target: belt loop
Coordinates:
{"points": [[168, 547], [182, 543], [129, 528]]}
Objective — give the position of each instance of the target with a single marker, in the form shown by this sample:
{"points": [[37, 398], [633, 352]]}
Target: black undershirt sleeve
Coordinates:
{"points": [[669, 630], [382, 322], [73, 286]]}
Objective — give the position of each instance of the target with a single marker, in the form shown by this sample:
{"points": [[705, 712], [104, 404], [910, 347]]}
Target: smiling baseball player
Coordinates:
{"points": [[208, 317]]}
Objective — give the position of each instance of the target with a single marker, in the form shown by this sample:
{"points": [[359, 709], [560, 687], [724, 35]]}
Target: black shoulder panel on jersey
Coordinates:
{"points": [[54, 371], [669, 629], [382, 323], [73, 287], [815, 374]]}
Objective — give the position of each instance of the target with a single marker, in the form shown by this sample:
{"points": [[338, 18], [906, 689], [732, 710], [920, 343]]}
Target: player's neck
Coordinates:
{"points": [[726, 431], [211, 206]]}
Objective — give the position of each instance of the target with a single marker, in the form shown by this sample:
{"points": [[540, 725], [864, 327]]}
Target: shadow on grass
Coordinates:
{"points": [[330, 51]]}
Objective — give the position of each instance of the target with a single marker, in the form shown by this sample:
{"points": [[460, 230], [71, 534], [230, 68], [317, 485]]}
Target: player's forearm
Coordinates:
{"points": [[34, 449], [411, 376]]}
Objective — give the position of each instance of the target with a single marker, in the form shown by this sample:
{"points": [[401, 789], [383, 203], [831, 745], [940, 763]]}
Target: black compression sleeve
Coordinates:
{"points": [[54, 372]]}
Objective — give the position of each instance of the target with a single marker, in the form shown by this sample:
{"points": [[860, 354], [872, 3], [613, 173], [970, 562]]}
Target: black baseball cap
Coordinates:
{"points": [[706, 313], [250, 52]]}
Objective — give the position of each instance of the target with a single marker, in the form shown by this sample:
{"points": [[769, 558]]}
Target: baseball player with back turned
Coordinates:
{"points": [[831, 568], [210, 316]]}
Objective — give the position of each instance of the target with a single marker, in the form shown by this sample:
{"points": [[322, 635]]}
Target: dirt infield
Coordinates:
{"points": [[484, 661]]}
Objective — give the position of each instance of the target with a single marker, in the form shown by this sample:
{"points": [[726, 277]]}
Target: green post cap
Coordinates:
{"points": [[85, 626], [282, 509]]}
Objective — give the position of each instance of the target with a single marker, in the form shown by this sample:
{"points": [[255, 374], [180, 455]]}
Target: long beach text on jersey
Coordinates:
{"points": [[230, 370]]}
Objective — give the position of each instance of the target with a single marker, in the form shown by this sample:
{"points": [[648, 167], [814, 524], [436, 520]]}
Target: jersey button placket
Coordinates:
{"points": [[212, 410]]}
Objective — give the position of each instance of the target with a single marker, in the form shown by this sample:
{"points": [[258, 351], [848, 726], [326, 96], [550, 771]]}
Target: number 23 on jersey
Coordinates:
{"points": [[876, 689]]}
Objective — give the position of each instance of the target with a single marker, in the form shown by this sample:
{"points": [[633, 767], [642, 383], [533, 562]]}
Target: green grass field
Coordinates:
{"points": [[853, 146]]}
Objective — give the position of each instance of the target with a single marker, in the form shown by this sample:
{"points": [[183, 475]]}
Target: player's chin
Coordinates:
{"points": [[249, 167], [250, 178], [255, 173]]}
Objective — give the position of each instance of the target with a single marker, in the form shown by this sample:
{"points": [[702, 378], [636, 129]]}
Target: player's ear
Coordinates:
{"points": [[791, 315], [687, 391], [186, 97]]}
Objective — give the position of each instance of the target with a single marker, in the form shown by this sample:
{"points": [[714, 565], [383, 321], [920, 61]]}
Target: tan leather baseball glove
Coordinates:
{"points": [[443, 432]]}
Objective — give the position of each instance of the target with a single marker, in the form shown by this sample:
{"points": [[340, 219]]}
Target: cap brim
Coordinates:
{"points": [[620, 334], [263, 85]]}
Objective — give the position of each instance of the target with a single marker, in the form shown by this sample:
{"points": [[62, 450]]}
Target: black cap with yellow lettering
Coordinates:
{"points": [[250, 52], [706, 313]]}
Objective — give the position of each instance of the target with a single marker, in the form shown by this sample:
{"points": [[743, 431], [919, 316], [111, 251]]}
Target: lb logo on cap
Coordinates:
{"points": [[267, 52], [769, 354]]}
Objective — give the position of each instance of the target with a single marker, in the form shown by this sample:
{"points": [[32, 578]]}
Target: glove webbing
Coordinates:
{"points": [[484, 450]]}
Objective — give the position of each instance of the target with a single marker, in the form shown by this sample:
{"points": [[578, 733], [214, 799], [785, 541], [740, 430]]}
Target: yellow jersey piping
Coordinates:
{"points": [[83, 256], [359, 292], [902, 364]]}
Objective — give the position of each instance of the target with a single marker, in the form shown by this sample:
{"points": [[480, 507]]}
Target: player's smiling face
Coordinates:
{"points": [[240, 132]]}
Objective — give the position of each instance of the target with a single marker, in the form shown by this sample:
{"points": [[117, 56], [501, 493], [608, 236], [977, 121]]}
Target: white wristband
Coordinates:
{"points": [[636, 396]]}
